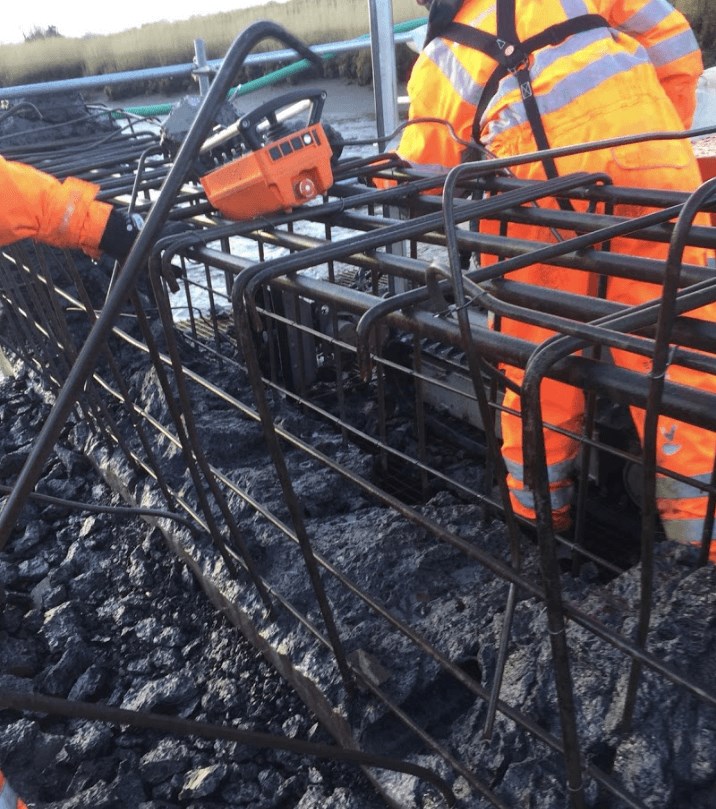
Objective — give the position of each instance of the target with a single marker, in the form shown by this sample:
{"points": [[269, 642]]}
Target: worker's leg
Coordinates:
{"points": [[562, 407], [8, 797], [686, 450]]}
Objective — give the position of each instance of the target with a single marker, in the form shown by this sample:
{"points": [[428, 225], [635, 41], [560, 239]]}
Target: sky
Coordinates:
{"points": [[75, 18]]}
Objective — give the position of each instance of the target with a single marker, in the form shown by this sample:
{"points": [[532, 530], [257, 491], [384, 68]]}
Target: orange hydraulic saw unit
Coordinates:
{"points": [[278, 167]]}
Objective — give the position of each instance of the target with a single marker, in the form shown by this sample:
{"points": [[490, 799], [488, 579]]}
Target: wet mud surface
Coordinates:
{"points": [[98, 609]]}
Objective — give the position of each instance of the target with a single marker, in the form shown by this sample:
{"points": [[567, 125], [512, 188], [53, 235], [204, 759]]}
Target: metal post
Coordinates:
{"points": [[202, 71], [385, 84], [385, 94]]}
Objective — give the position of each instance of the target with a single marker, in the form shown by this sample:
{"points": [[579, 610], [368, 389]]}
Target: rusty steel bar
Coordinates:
{"points": [[550, 569], [133, 265], [56, 706], [292, 501], [661, 360], [254, 287]]}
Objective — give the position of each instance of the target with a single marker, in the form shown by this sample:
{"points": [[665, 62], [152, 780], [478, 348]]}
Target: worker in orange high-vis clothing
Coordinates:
{"points": [[522, 75], [35, 205], [8, 798]]}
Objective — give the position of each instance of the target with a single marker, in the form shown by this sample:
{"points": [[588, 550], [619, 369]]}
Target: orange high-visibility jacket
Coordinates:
{"points": [[36, 205], [637, 75], [594, 85], [8, 798]]}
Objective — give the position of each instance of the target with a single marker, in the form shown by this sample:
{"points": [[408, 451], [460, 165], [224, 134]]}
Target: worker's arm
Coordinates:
{"points": [[669, 41], [36, 205]]}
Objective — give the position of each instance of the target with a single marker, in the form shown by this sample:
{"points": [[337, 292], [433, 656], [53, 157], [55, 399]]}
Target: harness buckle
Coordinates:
{"points": [[521, 66], [513, 58]]}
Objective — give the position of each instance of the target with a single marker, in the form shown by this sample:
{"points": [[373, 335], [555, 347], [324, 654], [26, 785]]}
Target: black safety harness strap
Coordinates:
{"points": [[513, 56]]}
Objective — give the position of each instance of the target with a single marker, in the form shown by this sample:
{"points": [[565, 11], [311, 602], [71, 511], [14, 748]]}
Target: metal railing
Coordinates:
{"points": [[203, 69]]}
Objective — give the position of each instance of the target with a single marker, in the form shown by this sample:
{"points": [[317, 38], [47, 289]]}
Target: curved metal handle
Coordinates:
{"points": [[270, 112]]}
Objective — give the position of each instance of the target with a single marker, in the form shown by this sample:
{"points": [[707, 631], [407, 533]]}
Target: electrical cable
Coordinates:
{"points": [[14, 110], [587, 146]]}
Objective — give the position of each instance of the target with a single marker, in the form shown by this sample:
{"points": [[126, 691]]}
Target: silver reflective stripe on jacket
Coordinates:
{"points": [[661, 53], [563, 93], [461, 80]]}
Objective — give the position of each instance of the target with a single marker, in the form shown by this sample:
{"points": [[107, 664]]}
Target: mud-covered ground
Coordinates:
{"points": [[98, 610]]}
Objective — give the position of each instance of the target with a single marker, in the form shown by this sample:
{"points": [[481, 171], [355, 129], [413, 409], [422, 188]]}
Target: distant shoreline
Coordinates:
{"points": [[345, 99], [51, 57]]}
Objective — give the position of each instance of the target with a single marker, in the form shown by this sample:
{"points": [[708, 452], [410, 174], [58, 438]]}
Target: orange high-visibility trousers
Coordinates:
{"points": [[682, 448], [8, 797], [636, 74]]}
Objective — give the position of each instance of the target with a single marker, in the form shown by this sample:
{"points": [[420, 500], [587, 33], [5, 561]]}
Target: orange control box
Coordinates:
{"points": [[281, 175]]}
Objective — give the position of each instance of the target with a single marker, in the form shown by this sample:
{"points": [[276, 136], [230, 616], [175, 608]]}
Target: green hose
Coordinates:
{"points": [[154, 110]]}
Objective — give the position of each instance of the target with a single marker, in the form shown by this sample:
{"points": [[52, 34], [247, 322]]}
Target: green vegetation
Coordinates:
{"points": [[49, 58], [702, 16]]}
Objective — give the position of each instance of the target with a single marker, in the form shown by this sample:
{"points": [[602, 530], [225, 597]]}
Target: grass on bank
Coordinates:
{"points": [[164, 43], [702, 16]]}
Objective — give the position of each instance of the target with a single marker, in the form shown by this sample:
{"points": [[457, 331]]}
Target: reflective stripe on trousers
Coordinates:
{"points": [[8, 796], [561, 402], [685, 531], [682, 508], [559, 497]]}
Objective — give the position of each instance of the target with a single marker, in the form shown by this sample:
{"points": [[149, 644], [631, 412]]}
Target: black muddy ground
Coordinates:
{"points": [[666, 757], [98, 610]]}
